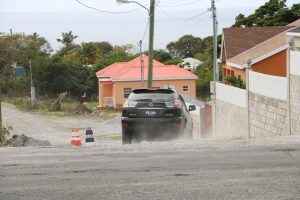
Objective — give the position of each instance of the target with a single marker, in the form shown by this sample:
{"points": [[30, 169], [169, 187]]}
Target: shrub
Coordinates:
{"points": [[236, 82], [4, 135]]}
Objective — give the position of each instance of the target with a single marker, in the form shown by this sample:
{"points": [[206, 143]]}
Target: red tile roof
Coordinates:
{"points": [[128, 71]]}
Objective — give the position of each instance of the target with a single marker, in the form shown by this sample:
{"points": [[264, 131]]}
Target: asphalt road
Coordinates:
{"points": [[168, 170]]}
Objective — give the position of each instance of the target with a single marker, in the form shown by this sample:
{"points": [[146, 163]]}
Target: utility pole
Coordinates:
{"points": [[216, 68], [150, 50], [215, 41], [32, 89], [0, 111], [142, 64]]}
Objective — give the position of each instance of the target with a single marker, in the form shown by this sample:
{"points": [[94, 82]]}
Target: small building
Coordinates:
{"points": [[190, 64], [119, 79], [265, 46]]}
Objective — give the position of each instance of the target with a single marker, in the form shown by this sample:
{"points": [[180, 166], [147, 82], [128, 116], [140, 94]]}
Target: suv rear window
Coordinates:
{"points": [[153, 95]]}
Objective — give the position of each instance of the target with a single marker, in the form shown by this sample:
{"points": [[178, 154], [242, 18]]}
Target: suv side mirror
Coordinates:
{"points": [[192, 107]]}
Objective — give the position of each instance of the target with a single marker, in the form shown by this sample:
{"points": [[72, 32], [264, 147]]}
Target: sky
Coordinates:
{"points": [[173, 19]]}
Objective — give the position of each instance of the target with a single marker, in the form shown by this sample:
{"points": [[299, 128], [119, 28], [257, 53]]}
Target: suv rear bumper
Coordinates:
{"points": [[152, 128]]}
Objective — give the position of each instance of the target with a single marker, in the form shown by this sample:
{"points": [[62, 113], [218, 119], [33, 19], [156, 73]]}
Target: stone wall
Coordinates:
{"points": [[268, 116], [295, 104], [231, 121]]}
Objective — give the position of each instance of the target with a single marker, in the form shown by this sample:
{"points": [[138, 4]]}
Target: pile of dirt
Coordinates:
{"points": [[24, 141], [82, 109]]}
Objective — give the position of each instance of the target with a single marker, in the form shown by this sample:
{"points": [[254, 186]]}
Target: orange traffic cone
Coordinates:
{"points": [[77, 138], [73, 136]]}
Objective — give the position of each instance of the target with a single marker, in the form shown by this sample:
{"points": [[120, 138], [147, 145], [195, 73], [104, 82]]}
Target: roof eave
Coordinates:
{"points": [[235, 65], [258, 59], [156, 79]]}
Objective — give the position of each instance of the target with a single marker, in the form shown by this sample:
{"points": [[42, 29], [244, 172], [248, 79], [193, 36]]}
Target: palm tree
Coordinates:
{"points": [[67, 40]]}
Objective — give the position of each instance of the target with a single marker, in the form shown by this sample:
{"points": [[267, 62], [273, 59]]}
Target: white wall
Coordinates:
{"points": [[232, 95], [295, 62], [267, 85]]}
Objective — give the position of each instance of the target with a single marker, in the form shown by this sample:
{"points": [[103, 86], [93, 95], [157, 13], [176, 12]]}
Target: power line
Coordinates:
{"points": [[180, 5], [146, 29], [208, 10], [184, 19], [106, 11]]}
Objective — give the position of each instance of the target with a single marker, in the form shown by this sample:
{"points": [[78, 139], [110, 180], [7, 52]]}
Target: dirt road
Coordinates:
{"points": [[56, 129]]}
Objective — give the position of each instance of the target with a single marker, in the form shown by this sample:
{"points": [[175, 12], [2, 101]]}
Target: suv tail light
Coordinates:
{"points": [[177, 104], [173, 104], [129, 104]]}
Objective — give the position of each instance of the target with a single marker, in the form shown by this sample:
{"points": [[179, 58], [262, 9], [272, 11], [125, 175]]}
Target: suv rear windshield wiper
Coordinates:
{"points": [[146, 100]]}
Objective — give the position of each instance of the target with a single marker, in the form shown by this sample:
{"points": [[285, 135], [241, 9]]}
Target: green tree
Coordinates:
{"points": [[57, 76], [20, 48], [186, 46], [115, 56], [67, 40], [104, 47], [161, 55], [272, 13], [89, 53]]}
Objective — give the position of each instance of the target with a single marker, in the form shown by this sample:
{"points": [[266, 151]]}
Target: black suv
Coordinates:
{"points": [[155, 113]]}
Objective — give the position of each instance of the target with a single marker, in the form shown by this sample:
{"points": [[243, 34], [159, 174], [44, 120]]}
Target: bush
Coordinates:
{"points": [[4, 135], [236, 82], [14, 86]]}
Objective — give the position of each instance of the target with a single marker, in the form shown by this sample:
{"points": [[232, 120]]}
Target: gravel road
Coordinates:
{"points": [[56, 129]]}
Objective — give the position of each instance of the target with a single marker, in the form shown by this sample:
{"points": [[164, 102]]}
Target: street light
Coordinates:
{"points": [[126, 1], [151, 36]]}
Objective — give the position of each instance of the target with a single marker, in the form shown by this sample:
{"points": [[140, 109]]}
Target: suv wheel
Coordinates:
{"points": [[187, 132], [126, 138]]}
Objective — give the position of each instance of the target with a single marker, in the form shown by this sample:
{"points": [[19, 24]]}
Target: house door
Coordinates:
{"points": [[108, 95]]}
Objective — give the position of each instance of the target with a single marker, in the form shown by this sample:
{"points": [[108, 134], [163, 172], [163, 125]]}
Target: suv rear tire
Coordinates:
{"points": [[126, 138]]}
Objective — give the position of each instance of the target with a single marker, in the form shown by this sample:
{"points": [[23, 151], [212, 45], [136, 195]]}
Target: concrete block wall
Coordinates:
{"points": [[268, 116], [231, 121], [295, 104]]}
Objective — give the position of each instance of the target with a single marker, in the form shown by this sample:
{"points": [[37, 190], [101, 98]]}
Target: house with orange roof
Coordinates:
{"points": [[265, 46], [119, 79]]}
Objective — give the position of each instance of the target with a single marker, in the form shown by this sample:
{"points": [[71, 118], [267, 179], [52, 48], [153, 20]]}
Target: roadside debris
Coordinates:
{"points": [[82, 109], [56, 106], [24, 141]]}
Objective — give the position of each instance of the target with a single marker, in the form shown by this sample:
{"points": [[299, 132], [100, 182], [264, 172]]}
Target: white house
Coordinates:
{"points": [[190, 64]]}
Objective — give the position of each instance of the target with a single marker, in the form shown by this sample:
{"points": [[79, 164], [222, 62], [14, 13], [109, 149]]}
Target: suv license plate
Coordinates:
{"points": [[150, 113]]}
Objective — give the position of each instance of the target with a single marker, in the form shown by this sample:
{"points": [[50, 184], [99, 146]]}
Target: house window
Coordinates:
{"points": [[224, 72], [127, 92], [232, 73], [185, 88]]}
